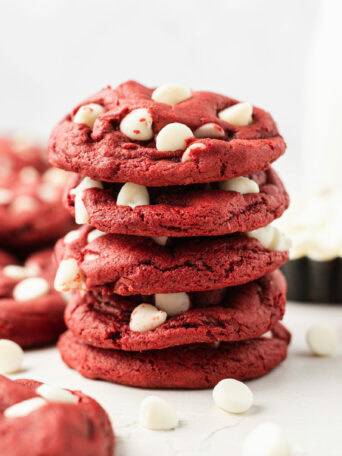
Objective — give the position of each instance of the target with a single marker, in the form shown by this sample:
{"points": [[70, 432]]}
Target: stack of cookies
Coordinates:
{"points": [[175, 267]]}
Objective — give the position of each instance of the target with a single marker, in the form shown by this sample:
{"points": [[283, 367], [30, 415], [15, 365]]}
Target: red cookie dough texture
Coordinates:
{"points": [[191, 366], [80, 427], [231, 314], [194, 210], [35, 321], [105, 153], [136, 265]]}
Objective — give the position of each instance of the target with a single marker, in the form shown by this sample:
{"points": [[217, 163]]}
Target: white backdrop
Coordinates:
{"points": [[53, 54]]}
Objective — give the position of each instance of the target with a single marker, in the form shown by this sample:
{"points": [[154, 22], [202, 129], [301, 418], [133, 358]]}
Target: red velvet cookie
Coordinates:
{"points": [[191, 366], [60, 422], [6, 258], [231, 314], [31, 311], [106, 153], [16, 154], [137, 265], [193, 210], [31, 213]]}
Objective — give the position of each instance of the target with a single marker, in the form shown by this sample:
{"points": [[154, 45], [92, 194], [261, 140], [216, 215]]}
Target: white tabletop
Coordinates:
{"points": [[303, 395]]}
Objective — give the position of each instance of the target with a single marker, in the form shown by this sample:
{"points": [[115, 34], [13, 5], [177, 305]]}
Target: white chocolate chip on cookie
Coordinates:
{"points": [[146, 317], [173, 137], [171, 94], [133, 195], [30, 288], [137, 125], [209, 130], [68, 276], [240, 114], [241, 185], [87, 114], [172, 303]]}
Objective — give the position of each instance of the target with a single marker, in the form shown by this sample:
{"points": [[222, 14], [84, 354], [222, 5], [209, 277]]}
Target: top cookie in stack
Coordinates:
{"points": [[179, 189]]}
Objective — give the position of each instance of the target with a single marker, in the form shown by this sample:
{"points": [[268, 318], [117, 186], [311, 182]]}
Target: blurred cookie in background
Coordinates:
{"points": [[31, 213], [314, 224], [31, 311]]}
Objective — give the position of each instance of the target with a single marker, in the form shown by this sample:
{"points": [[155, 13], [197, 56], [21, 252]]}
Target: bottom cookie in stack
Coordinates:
{"points": [[207, 336]]}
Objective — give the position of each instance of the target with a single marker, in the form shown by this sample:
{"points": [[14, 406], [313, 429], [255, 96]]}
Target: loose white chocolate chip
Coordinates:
{"points": [[5, 196], [171, 94], [56, 177], [72, 236], [133, 195], [94, 234], [11, 357], [172, 303], [81, 214], [48, 193], [192, 148], [23, 203], [55, 394], [161, 240], [137, 125], [15, 272], [241, 185], [25, 407], [173, 137], [209, 130], [68, 276], [87, 114], [240, 114], [146, 317], [271, 238], [31, 288], [233, 396], [157, 414], [322, 340], [29, 175], [267, 439]]}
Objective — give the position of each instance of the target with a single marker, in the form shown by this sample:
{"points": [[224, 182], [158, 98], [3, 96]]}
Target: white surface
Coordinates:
{"points": [[303, 395], [55, 54]]}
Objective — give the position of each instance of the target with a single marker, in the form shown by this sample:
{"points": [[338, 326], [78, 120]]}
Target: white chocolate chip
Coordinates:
{"points": [[133, 195], [157, 414], [29, 175], [171, 94], [5, 196], [271, 238], [32, 269], [48, 193], [268, 335], [25, 407], [87, 114], [81, 214], [146, 317], [322, 340], [240, 114], [56, 177], [137, 125], [55, 394], [161, 240], [15, 272], [68, 276], [241, 185], [172, 303], [267, 439], [209, 130], [233, 396], [11, 357], [173, 137], [72, 236], [31, 288], [91, 256], [192, 148], [94, 234], [23, 203]]}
